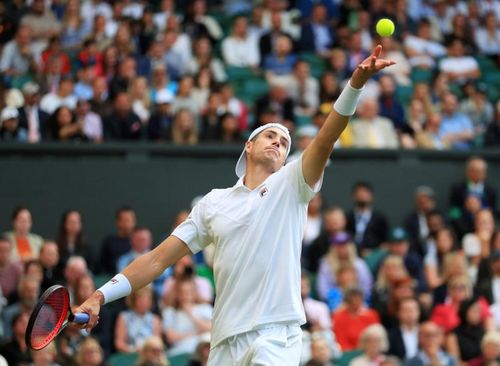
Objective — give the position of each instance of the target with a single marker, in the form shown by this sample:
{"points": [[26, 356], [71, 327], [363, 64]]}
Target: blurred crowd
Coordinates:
{"points": [[420, 291], [198, 71]]}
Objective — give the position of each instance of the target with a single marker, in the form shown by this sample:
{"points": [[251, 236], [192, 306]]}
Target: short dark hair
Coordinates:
{"points": [[122, 210], [18, 210], [362, 184]]}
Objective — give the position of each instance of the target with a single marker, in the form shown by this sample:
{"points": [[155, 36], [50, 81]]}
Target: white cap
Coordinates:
{"points": [[241, 165], [8, 113], [164, 96]]}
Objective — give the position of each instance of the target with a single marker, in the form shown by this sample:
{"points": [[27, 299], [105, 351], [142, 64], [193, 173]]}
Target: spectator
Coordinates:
{"points": [[456, 128], [374, 343], [392, 50], [421, 49], [152, 353], [329, 88], [240, 49], [85, 75], [138, 323], [370, 129], [28, 291], [461, 29], [26, 245], [281, 60], [49, 259], [115, 245], [314, 221], [198, 24], [15, 349], [429, 136], [10, 129], [231, 104], [487, 36], [367, 225], [44, 357], [64, 127], [62, 97], [123, 123], [479, 110], [76, 268], [92, 122], [186, 319], [338, 64], [277, 101], [19, 57], [31, 117], [462, 342], [490, 347], [184, 130], [492, 134], [185, 268], [458, 67], [230, 131], [10, 270], [486, 285], [203, 57], [320, 353], [126, 73], [75, 28], [454, 265], [476, 173], [268, 40], [434, 259], [389, 105], [140, 97], [430, 339], [200, 357], [334, 221], [303, 89], [104, 330], [160, 124], [317, 36], [54, 51], [342, 252], [355, 52], [476, 245], [203, 83], [415, 222], [403, 338], [350, 320], [90, 353], [184, 98]]}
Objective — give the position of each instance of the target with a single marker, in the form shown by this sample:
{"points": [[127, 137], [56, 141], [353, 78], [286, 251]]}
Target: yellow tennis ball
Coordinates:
{"points": [[385, 27]]}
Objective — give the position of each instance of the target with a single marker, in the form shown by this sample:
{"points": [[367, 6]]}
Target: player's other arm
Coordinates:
{"points": [[139, 273], [317, 153]]}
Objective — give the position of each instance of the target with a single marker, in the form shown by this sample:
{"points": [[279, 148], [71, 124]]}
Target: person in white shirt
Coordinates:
{"points": [[256, 227], [62, 97], [240, 49]]}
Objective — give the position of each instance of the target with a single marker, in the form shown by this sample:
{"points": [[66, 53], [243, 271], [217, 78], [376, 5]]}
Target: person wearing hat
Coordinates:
{"points": [[160, 124], [256, 227], [31, 117], [9, 126]]}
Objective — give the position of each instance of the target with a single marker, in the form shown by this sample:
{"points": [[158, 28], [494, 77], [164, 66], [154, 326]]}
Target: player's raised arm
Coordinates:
{"points": [[318, 152], [136, 275]]}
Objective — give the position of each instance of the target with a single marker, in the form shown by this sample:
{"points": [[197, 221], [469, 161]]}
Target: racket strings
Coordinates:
{"points": [[49, 320]]}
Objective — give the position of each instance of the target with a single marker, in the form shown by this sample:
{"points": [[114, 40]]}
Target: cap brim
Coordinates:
{"points": [[241, 165]]}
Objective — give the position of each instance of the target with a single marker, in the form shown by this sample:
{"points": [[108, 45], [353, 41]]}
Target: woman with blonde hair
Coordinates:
{"points": [[342, 252], [90, 353], [135, 325], [140, 97], [152, 353], [184, 130], [374, 343]]}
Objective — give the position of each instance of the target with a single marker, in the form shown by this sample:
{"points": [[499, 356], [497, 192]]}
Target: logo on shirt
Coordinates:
{"points": [[113, 281], [263, 191]]}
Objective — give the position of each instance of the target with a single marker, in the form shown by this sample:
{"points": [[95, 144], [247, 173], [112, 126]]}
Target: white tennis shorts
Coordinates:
{"points": [[270, 345]]}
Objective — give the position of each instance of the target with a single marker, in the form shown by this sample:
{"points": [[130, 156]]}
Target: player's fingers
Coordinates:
{"points": [[377, 50]]}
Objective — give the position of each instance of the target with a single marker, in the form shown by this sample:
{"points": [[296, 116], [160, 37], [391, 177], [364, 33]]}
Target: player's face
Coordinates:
{"points": [[269, 147]]}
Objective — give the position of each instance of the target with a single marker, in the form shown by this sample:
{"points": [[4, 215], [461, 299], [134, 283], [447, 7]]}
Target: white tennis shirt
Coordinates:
{"points": [[257, 236]]}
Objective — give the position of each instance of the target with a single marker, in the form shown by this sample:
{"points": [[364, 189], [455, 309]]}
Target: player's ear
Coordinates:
{"points": [[248, 145]]}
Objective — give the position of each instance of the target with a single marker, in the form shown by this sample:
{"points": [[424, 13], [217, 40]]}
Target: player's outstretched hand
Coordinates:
{"points": [[91, 306], [370, 66]]}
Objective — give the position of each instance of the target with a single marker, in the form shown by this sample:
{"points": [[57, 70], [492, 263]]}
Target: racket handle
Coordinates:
{"points": [[81, 318]]}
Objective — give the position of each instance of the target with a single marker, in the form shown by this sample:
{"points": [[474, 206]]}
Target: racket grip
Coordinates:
{"points": [[81, 318]]}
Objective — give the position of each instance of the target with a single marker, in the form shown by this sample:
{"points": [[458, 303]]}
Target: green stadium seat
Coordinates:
{"points": [[316, 63], [301, 120], [253, 88], [123, 359], [239, 74], [485, 63], [404, 93], [347, 357], [101, 279], [419, 75], [374, 258], [207, 272], [180, 360]]}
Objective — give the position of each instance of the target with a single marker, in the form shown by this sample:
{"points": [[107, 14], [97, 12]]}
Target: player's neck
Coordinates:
{"points": [[255, 176]]}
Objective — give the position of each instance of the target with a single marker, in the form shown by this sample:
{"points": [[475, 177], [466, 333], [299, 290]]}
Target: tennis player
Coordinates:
{"points": [[257, 227]]}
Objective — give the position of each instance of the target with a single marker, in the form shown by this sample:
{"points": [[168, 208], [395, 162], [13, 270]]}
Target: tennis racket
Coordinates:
{"points": [[51, 315]]}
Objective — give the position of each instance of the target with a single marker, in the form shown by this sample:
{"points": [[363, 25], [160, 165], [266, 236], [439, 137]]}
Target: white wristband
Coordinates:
{"points": [[347, 101], [116, 288]]}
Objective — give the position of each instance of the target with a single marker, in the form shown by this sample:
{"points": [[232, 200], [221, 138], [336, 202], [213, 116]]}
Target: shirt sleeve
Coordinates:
{"points": [[194, 231], [306, 193]]}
